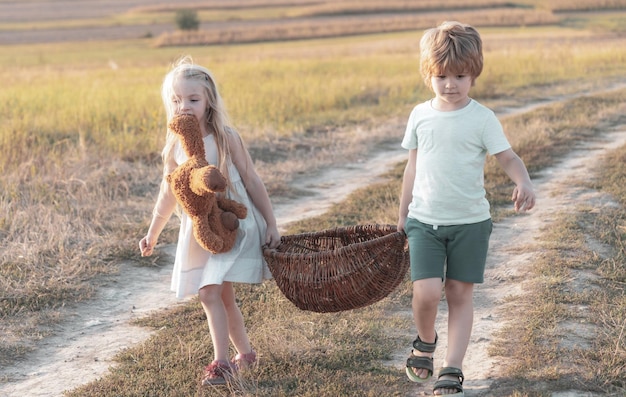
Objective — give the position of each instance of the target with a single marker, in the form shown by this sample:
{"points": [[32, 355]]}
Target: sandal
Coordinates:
{"points": [[420, 362], [217, 373], [244, 361], [449, 383]]}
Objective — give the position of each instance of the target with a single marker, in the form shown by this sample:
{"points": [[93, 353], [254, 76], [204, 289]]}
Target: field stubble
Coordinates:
{"points": [[76, 192]]}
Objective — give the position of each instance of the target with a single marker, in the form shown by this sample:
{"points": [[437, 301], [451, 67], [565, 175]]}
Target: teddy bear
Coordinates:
{"points": [[196, 185]]}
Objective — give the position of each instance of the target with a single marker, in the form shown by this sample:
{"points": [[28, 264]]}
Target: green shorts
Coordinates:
{"points": [[457, 252]]}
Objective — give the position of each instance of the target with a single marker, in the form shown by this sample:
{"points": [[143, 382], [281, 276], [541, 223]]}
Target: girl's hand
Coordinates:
{"points": [[272, 237], [146, 247]]}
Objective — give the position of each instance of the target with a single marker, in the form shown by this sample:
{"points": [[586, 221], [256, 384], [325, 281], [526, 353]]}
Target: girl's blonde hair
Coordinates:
{"points": [[451, 47], [216, 115]]}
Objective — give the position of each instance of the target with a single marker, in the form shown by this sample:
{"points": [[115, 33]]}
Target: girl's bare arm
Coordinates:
{"points": [[255, 187], [163, 210]]}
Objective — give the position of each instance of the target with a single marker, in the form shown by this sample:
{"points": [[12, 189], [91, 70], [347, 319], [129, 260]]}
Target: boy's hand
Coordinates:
{"points": [[401, 224], [523, 198]]}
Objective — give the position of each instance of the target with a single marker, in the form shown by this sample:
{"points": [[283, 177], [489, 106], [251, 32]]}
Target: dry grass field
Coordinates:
{"points": [[312, 86]]}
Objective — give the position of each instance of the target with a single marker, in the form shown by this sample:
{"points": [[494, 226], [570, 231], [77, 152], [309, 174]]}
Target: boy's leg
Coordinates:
{"points": [[425, 304], [467, 253], [460, 320], [427, 254]]}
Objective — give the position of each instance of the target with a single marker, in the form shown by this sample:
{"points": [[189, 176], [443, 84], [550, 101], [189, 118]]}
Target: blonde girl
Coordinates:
{"points": [[190, 89]]}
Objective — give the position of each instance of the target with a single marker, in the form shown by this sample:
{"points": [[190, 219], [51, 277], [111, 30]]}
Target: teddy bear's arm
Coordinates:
{"points": [[206, 180], [232, 206]]}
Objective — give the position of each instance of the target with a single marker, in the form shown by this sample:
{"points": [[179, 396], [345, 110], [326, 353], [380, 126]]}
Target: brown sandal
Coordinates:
{"points": [[457, 384], [421, 362]]}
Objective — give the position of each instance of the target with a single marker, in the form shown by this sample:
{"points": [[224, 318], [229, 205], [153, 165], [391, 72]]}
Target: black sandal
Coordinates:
{"points": [[420, 362], [449, 383]]}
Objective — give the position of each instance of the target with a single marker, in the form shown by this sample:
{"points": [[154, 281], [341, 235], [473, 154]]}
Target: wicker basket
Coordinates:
{"points": [[339, 269]]}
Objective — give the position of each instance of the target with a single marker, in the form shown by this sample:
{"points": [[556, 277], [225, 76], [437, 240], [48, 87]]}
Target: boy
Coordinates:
{"points": [[443, 209]]}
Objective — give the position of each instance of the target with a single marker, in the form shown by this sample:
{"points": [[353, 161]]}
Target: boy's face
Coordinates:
{"points": [[451, 90]]}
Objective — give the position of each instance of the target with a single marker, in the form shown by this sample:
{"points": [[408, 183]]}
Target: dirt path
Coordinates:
{"points": [[83, 348]]}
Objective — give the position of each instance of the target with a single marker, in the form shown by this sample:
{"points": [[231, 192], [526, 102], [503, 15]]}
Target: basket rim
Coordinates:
{"points": [[335, 230], [390, 230]]}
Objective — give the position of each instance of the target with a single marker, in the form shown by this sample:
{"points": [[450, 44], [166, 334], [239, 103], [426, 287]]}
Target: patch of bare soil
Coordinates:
{"points": [[83, 348]]}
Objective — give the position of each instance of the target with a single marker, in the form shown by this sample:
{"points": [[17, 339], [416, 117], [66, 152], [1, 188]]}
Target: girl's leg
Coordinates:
{"points": [[211, 300], [236, 327], [459, 296], [425, 303]]}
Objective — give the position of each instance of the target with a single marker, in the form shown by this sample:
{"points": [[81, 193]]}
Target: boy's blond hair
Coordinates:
{"points": [[452, 47]]}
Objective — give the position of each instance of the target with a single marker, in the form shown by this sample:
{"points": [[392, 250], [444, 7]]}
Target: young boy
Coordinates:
{"points": [[443, 209]]}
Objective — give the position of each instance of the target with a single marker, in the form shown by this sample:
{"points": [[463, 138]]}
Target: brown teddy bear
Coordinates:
{"points": [[195, 183]]}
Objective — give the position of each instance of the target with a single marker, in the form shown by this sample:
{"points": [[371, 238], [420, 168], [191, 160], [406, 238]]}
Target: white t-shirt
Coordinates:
{"points": [[451, 150]]}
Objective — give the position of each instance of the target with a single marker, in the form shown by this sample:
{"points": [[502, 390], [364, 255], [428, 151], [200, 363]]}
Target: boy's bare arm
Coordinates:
{"points": [[407, 189], [523, 195]]}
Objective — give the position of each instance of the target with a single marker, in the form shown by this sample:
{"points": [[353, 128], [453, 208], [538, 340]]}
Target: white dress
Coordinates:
{"points": [[195, 267]]}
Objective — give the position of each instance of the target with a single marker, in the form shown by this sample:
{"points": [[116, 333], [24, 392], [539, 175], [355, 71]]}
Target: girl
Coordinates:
{"points": [[191, 89]]}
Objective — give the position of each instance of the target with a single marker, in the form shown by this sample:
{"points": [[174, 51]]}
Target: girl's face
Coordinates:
{"points": [[451, 91], [190, 98]]}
